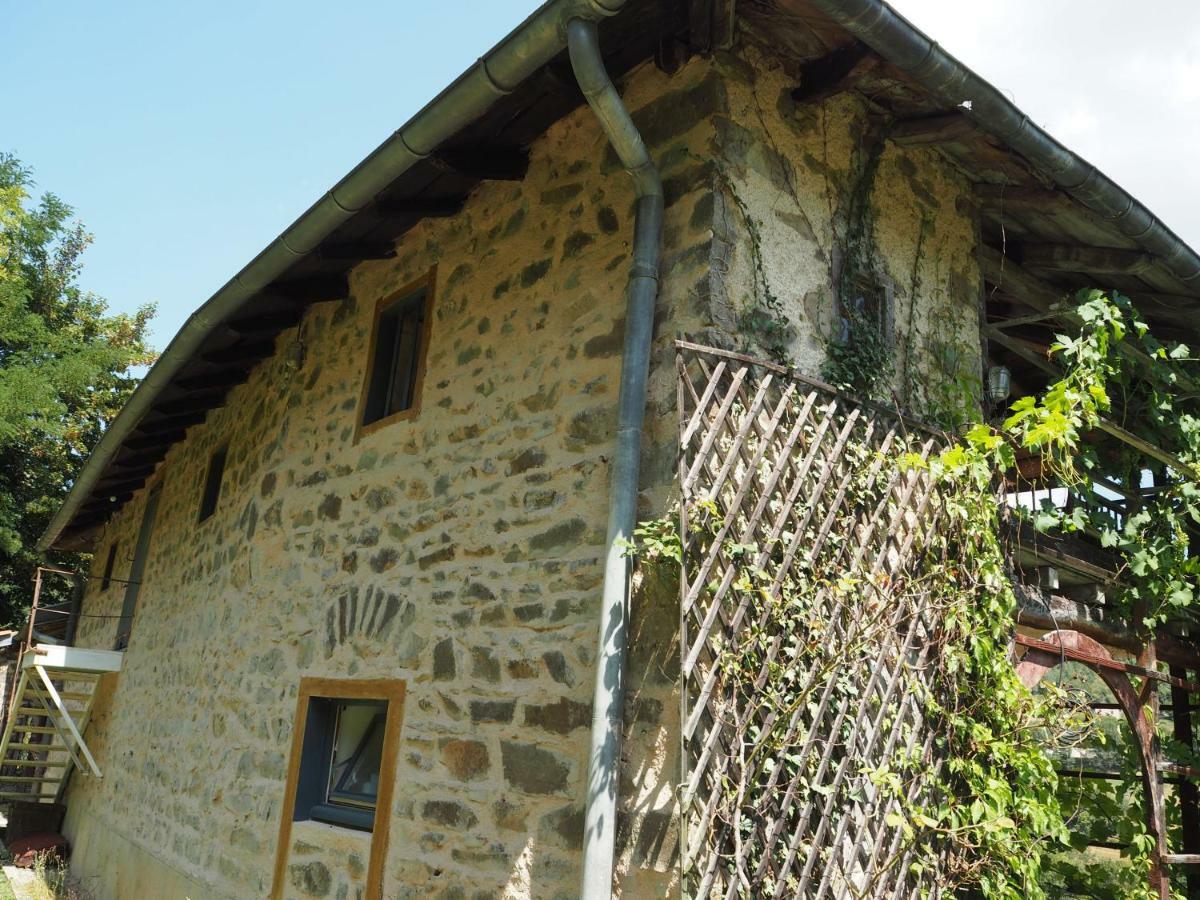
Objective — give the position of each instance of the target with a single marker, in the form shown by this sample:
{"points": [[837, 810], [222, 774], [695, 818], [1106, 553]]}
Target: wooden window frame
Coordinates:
{"points": [[426, 284], [390, 690]]}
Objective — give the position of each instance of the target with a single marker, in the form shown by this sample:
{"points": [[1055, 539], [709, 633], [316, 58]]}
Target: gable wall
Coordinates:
{"points": [[460, 551]]}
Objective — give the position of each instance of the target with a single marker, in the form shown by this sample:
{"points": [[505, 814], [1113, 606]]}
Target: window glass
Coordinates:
{"points": [[340, 766], [108, 566], [212, 484], [357, 748], [396, 358]]}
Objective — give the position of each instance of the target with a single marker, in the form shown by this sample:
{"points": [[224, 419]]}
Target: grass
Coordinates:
{"points": [[53, 881]]}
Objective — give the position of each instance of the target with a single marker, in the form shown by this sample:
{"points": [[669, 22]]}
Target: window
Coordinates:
{"points": [[869, 305], [108, 566], [212, 484], [342, 769], [392, 385]]}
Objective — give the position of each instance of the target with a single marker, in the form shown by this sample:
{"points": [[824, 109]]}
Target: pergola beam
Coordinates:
{"points": [[1086, 260]]}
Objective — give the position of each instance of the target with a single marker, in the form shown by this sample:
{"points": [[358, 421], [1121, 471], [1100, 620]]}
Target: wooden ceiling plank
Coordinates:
{"points": [[246, 351], [484, 162], [420, 207], [357, 251]]}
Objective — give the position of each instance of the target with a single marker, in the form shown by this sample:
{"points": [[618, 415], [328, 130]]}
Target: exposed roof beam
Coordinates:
{"points": [[1027, 353], [710, 24], [830, 74], [174, 423], [164, 440], [121, 487], [933, 130], [1088, 260], [484, 162], [225, 378], [197, 401], [1007, 274], [1014, 281]]}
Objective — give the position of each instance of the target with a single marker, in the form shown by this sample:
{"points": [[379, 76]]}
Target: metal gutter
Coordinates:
{"points": [[530, 46], [900, 42], [604, 756]]}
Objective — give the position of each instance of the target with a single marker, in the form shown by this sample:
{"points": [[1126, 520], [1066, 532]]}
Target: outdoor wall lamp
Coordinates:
{"points": [[999, 383]]}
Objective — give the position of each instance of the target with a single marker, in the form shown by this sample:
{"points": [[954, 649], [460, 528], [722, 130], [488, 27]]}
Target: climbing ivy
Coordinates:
{"points": [[859, 354]]}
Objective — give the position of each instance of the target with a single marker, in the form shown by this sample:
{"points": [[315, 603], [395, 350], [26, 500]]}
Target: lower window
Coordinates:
{"points": [[341, 761], [342, 768]]}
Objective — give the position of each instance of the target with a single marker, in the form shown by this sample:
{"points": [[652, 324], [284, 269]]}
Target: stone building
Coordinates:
{"points": [[350, 534]]}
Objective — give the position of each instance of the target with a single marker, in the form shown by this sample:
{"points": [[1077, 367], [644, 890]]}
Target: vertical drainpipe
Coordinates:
{"points": [[600, 816]]}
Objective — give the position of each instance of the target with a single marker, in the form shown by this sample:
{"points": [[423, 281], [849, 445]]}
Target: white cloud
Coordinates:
{"points": [[1119, 83]]}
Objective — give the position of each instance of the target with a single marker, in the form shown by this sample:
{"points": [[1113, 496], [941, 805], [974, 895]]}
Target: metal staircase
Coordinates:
{"points": [[49, 706], [43, 737]]}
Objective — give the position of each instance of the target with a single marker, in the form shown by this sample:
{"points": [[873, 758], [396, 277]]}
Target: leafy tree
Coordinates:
{"points": [[66, 368]]}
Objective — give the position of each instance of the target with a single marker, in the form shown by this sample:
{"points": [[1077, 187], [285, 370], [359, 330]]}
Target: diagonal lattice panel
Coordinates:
{"points": [[806, 639]]}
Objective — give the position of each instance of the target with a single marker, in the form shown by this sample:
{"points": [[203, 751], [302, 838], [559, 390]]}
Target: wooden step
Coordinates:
{"points": [[29, 779], [63, 695], [35, 763], [35, 729], [31, 711], [35, 748], [32, 798]]}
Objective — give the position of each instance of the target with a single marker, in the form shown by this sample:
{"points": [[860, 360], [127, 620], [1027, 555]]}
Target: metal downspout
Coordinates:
{"points": [[600, 816]]}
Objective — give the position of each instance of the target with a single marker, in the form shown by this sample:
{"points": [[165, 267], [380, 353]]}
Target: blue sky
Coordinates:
{"points": [[187, 136]]}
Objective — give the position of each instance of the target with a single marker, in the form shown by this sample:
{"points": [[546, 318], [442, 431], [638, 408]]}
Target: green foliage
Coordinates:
{"points": [[64, 371], [860, 360], [1151, 539]]}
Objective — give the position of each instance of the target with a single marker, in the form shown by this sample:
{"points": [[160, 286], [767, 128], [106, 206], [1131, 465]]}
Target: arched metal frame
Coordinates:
{"points": [[1075, 647]]}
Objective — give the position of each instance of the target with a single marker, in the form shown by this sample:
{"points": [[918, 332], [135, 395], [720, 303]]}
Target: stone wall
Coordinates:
{"points": [[460, 550]]}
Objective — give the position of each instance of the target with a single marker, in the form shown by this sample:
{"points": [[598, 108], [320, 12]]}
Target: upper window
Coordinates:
{"points": [[397, 355], [212, 483], [108, 566], [869, 305]]}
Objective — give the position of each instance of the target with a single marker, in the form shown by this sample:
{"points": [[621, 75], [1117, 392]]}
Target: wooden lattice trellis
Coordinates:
{"points": [[793, 735]]}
